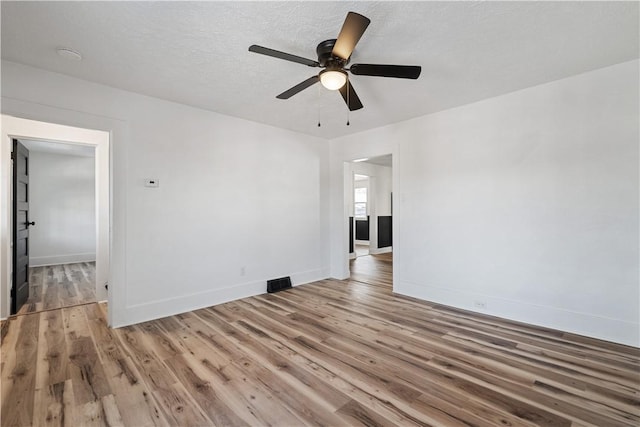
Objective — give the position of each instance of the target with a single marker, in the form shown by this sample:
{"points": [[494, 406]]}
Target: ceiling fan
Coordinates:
{"points": [[333, 56]]}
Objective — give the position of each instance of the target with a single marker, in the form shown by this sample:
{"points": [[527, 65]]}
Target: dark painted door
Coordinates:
{"points": [[362, 229], [20, 287]]}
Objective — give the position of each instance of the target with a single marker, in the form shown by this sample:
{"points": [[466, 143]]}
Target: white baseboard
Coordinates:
{"points": [[380, 250], [353, 255], [170, 306], [61, 259], [362, 242], [618, 331]]}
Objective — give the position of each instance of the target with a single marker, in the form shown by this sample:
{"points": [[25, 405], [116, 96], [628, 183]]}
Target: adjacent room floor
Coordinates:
{"points": [[373, 269], [329, 353], [57, 286], [362, 250]]}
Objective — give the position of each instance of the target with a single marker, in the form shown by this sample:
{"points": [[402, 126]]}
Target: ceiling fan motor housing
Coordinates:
{"points": [[326, 58]]}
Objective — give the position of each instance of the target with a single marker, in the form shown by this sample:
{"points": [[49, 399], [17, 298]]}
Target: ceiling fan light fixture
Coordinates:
{"points": [[333, 56], [333, 79]]}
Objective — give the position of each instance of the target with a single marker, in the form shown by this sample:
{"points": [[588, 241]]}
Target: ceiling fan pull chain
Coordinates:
{"points": [[318, 106], [348, 104]]}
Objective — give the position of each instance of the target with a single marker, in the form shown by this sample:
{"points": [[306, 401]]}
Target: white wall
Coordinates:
{"points": [[527, 203], [232, 194], [384, 188], [63, 205]]}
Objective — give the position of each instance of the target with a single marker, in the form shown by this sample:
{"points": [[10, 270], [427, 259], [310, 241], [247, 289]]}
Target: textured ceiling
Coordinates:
{"points": [[196, 53]]}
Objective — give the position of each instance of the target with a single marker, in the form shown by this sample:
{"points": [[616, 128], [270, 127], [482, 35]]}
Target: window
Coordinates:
{"points": [[360, 202]]}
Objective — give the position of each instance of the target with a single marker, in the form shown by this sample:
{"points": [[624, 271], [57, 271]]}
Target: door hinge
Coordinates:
{"points": [[13, 155], [13, 293]]}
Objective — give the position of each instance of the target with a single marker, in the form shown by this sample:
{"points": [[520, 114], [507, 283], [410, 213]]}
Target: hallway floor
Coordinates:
{"points": [[57, 286]]}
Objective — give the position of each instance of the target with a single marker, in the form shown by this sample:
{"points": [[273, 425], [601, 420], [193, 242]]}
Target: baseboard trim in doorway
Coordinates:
{"points": [[44, 261], [380, 250]]}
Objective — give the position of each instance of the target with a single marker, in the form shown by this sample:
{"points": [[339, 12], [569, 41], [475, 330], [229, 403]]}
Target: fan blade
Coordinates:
{"points": [[298, 88], [282, 55], [352, 29], [398, 71], [353, 102]]}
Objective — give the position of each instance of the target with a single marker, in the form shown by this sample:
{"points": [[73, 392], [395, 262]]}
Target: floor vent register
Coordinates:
{"points": [[280, 284]]}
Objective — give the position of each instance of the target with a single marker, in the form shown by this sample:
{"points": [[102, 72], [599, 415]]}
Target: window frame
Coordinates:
{"points": [[357, 203]]}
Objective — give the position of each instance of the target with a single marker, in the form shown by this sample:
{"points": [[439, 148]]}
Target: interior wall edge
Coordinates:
{"points": [[61, 259]]}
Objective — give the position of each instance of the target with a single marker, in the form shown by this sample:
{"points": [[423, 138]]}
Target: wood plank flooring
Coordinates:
{"points": [[57, 286], [373, 269], [331, 353]]}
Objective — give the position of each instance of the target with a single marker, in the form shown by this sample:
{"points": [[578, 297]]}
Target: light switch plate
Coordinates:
{"points": [[152, 182]]}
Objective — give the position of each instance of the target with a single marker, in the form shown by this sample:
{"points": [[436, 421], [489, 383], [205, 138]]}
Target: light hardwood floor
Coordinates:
{"points": [[362, 250], [331, 353], [373, 269], [57, 286]]}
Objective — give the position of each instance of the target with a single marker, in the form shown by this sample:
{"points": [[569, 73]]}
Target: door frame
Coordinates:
{"points": [[342, 167], [14, 127]]}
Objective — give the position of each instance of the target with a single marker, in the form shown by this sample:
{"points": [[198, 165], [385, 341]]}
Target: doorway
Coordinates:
{"points": [[59, 224], [369, 199], [361, 215], [73, 272]]}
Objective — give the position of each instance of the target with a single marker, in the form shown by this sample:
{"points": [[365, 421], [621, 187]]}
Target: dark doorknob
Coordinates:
{"points": [[30, 223]]}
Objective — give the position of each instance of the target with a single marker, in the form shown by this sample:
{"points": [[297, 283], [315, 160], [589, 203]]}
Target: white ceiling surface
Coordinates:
{"points": [[385, 160], [54, 147], [195, 53]]}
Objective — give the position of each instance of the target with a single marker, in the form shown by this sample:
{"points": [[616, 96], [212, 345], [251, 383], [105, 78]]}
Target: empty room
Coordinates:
{"points": [[320, 213]]}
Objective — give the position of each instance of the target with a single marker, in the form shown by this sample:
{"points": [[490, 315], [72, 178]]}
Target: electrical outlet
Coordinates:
{"points": [[243, 271], [480, 304], [152, 182]]}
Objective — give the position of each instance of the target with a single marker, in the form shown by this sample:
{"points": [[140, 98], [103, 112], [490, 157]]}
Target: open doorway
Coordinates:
{"points": [[361, 207], [69, 171], [369, 199], [61, 217]]}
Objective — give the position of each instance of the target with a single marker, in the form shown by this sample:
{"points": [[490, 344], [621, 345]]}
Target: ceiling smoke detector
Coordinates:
{"points": [[68, 53]]}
